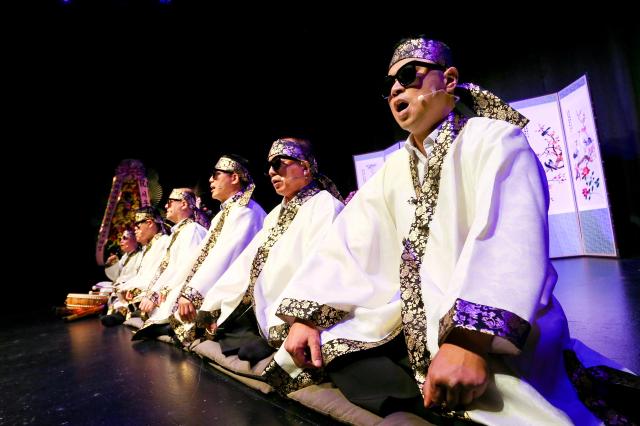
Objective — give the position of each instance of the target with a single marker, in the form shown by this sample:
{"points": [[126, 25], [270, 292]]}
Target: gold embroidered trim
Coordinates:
{"points": [[486, 104], [322, 316], [193, 296], [413, 315], [339, 347], [238, 199], [147, 248], [154, 297], [284, 384], [277, 334], [485, 319], [186, 331], [165, 259], [287, 214], [430, 50]]}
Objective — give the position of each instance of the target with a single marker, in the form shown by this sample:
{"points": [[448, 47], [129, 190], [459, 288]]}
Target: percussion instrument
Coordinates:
{"points": [[80, 301]]}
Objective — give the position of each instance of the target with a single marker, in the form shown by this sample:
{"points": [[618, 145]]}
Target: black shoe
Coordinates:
{"points": [[255, 351], [111, 320], [153, 331]]}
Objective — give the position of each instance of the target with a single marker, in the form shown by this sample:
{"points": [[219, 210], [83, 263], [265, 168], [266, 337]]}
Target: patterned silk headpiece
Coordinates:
{"points": [[293, 149], [230, 165], [184, 194], [193, 202], [420, 48], [144, 213]]}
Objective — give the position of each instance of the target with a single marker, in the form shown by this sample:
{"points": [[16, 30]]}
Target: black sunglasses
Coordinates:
{"points": [[276, 163], [406, 76]]}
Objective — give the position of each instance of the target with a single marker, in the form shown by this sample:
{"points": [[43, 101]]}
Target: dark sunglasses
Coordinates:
{"points": [[276, 163], [406, 76], [140, 222]]}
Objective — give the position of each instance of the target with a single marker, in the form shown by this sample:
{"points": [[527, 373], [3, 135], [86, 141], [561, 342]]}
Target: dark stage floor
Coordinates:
{"points": [[601, 298], [84, 374]]}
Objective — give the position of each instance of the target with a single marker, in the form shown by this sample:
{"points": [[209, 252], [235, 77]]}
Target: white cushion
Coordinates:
{"points": [[233, 366], [134, 322]]}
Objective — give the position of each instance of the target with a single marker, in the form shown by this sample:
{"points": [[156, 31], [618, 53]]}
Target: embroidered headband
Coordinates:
{"points": [[185, 194], [293, 149], [145, 213], [229, 165], [193, 202], [302, 152], [421, 48]]}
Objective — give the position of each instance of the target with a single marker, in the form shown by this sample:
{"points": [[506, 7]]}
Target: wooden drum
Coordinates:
{"points": [[79, 300]]}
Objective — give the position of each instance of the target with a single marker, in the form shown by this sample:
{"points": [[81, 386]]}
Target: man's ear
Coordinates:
{"points": [[235, 179], [451, 78]]}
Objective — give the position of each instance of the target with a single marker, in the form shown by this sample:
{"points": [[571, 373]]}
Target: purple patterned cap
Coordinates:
{"points": [[421, 48], [294, 149]]}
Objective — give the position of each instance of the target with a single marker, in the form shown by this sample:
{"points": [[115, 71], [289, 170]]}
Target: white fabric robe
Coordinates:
{"points": [[148, 266], [113, 271], [240, 226], [309, 226], [129, 270], [488, 245], [121, 271], [182, 252]]}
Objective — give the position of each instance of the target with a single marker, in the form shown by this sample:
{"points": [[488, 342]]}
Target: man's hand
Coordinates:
{"points": [[458, 373], [303, 344], [112, 259], [146, 305], [212, 328], [186, 309]]}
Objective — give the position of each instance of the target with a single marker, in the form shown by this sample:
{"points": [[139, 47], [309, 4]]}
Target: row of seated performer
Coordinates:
{"points": [[430, 292]]}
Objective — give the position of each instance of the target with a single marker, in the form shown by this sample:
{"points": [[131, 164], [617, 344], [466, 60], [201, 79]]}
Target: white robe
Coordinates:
{"points": [[148, 265], [112, 271], [124, 269], [487, 245], [309, 226], [181, 253], [129, 270], [240, 226]]}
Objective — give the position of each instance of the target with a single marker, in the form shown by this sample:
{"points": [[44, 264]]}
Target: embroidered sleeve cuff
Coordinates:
{"points": [[135, 292], [154, 297], [485, 319], [193, 296], [164, 291], [284, 384], [277, 334], [322, 316]]}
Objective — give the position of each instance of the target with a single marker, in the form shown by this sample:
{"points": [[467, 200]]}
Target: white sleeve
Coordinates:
{"points": [[502, 275], [240, 227]]}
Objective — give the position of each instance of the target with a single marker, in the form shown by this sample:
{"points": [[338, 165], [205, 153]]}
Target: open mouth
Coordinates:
{"points": [[401, 106]]}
